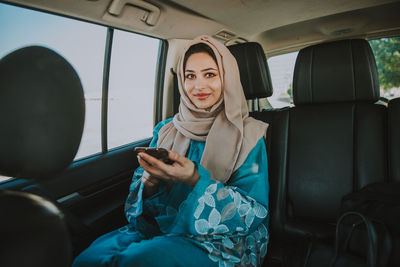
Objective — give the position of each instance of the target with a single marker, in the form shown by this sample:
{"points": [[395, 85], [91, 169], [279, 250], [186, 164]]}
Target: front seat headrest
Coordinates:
{"points": [[42, 111], [340, 71]]}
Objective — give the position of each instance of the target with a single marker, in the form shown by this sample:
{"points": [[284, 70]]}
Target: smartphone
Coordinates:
{"points": [[158, 153]]}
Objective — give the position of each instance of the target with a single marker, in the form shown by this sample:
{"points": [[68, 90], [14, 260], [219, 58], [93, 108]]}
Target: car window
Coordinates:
{"points": [[132, 71], [131, 88], [387, 56], [282, 68]]}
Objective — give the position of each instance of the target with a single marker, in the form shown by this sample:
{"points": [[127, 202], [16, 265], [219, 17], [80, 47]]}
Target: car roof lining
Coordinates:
{"points": [[251, 17], [279, 26]]}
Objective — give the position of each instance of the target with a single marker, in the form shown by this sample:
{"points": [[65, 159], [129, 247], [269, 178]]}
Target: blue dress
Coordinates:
{"points": [[213, 224]]}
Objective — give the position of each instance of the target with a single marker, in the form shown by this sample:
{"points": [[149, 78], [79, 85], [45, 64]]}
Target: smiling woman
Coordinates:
{"points": [[211, 203]]}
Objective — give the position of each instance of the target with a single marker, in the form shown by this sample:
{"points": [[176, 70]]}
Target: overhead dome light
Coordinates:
{"points": [[225, 35], [341, 31]]}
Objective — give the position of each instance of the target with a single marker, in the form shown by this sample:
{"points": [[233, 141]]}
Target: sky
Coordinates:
{"points": [[21, 27]]}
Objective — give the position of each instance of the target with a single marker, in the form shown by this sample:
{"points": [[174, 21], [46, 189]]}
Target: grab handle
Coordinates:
{"points": [[150, 17]]}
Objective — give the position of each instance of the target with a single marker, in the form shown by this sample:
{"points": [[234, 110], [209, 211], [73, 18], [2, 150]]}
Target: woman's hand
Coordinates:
{"points": [[181, 171], [151, 184]]}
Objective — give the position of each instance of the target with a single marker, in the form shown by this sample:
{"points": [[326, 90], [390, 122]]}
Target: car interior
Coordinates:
{"points": [[336, 134]]}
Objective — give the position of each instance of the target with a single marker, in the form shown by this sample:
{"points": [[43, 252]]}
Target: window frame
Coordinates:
{"points": [[158, 89]]}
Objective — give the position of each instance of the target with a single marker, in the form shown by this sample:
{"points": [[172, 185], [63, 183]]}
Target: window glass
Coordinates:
{"points": [[282, 68], [387, 56], [81, 43], [131, 88]]}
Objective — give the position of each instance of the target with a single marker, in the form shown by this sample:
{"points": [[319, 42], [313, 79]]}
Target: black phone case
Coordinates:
{"points": [[158, 153]]}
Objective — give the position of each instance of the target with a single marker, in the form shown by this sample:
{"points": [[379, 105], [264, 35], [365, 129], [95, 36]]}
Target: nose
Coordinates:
{"points": [[199, 83]]}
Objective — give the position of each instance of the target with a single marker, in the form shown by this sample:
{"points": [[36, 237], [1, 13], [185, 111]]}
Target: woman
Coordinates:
{"points": [[210, 207]]}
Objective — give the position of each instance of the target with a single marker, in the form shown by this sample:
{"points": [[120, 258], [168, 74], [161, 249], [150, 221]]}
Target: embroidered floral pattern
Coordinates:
{"points": [[262, 238], [214, 215]]}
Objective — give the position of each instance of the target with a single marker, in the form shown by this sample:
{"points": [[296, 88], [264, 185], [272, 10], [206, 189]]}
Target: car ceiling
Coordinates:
{"points": [[279, 25], [251, 17]]}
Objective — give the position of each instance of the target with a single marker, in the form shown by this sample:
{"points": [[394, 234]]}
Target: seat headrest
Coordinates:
{"points": [[254, 71], [42, 113], [33, 231], [341, 71]]}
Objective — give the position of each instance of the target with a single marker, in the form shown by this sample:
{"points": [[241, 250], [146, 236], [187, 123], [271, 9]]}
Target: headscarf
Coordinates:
{"points": [[228, 131]]}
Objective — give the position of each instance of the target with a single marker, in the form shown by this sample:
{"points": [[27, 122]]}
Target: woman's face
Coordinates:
{"points": [[202, 80]]}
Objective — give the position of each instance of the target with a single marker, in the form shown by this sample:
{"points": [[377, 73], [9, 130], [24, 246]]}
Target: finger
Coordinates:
{"points": [[147, 167], [153, 171], [143, 163], [177, 157], [154, 162]]}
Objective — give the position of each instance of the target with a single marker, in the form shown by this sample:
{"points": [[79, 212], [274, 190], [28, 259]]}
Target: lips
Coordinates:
{"points": [[202, 96]]}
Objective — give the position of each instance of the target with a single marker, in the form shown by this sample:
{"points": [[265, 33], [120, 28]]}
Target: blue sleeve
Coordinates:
{"points": [[237, 207], [135, 202]]}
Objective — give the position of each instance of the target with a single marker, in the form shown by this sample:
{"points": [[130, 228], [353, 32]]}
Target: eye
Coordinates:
{"points": [[189, 76], [210, 75]]}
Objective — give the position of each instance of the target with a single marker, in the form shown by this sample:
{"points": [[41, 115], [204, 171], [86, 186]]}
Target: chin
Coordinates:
{"points": [[203, 105]]}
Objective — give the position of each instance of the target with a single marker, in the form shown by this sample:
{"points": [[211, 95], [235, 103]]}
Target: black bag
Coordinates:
{"points": [[350, 227], [380, 201]]}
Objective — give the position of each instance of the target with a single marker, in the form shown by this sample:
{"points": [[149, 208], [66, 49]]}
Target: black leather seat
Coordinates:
{"points": [[331, 143], [394, 160], [42, 113], [394, 141], [337, 134]]}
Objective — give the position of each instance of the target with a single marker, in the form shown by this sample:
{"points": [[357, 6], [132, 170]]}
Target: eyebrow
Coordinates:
{"points": [[201, 70]]}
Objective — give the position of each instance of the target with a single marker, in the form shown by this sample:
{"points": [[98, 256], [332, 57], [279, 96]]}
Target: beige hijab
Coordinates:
{"points": [[226, 128]]}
